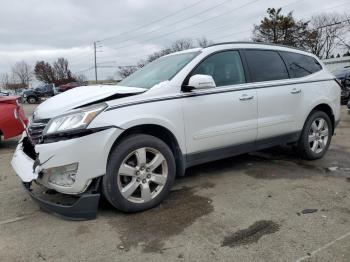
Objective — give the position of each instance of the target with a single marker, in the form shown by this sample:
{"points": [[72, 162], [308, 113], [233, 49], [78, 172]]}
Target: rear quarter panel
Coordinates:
{"points": [[326, 91]]}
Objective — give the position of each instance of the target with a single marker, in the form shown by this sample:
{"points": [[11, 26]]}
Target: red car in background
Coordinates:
{"points": [[12, 118], [65, 87]]}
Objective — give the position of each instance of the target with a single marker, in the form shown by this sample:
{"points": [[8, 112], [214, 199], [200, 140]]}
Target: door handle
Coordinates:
{"points": [[295, 91], [246, 97]]}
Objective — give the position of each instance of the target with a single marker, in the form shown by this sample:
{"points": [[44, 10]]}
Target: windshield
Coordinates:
{"points": [[158, 71]]}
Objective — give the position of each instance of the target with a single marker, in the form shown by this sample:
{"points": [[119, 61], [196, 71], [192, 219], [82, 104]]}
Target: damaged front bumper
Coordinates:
{"points": [[38, 164], [83, 207]]}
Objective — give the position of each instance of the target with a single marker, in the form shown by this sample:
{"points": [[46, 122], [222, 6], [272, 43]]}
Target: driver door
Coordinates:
{"points": [[222, 120]]}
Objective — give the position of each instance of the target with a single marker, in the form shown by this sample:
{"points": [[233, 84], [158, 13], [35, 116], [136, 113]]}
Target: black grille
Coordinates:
{"points": [[28, 148], [36, 128]]}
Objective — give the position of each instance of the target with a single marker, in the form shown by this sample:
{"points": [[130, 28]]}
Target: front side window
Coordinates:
{"points": [[225, 67], [160, 70], [265, 65], [300, 65]]}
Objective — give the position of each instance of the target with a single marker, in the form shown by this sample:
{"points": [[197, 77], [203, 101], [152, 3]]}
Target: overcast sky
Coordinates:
{"points": [[34, 30]]}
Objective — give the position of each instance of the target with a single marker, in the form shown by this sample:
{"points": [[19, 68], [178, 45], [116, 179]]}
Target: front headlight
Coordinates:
{"points": [[77, 119]]}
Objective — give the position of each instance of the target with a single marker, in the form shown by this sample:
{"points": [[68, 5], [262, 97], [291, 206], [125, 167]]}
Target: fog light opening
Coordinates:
{"points": [[63, 175]]}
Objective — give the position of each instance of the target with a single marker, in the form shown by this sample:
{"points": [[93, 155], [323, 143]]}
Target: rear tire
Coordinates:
{"points": [[316, 136], [140, 172]]}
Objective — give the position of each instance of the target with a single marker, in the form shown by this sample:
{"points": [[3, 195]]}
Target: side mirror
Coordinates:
{"points": [[201, 82]]}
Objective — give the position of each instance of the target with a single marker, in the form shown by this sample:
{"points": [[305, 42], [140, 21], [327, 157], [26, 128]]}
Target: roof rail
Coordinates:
{"points": [[254, 43]]}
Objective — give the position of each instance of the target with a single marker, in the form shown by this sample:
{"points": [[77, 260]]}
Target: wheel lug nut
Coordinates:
{"points": [[143, 180], [148, 169], [149, 176], [138, 179], [137, 173]]}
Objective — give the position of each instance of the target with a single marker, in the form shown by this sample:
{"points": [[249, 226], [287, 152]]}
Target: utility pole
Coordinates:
{"points": [[95, 62]]}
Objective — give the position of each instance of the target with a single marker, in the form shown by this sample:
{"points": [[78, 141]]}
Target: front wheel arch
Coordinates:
{"points": [[162, 133], [111, 183]]}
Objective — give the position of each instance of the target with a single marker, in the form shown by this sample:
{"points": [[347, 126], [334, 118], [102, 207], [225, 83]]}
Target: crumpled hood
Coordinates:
{"points": [[80, 96]]}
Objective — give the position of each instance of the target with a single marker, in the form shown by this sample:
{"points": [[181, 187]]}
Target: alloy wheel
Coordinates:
{"points": [[318, 135], [142, 175]]}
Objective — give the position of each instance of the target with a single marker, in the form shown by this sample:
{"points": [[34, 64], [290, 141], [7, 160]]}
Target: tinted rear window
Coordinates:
{"points": [[266, 65], [300, 65]]}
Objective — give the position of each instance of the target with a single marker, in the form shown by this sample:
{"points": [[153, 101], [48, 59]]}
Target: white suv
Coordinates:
{"points": [[128, 142]]}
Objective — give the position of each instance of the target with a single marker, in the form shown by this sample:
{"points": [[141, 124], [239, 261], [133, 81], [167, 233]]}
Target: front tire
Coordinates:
{"points": [[316, 136], [140, 173], [31, 100]]}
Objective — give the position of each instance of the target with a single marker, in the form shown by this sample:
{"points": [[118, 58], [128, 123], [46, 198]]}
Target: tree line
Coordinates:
{"points": [[178, 45], [22, 73]]}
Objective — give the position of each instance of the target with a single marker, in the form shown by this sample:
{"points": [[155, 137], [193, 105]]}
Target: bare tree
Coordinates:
{"points": [[344, 39], [62, 71], [81, 78], [4, 80], [181, 44], [22, 73], [204, 42], [325, 34], [158, 54], [125, 71]]}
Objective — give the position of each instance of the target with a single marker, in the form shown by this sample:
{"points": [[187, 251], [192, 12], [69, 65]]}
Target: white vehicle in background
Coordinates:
{"points": [[128, 142]]}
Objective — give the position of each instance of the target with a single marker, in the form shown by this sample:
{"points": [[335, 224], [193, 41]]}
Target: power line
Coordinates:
{"points": [[332, 7], [85, 70], [186, 27], [177, 22], [235, 33], [82, 58], [117, 66], [225, 36], [153, 22], [83, 52], [333, 24], [200, 22], [203, 33], [225, 13]]}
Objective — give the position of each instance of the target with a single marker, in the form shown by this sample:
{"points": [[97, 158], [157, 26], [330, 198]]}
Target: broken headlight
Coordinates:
{"points": [[75, 120]]}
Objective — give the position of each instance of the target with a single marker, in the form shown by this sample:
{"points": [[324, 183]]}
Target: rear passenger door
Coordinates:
{"points": [[278, 101]]}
